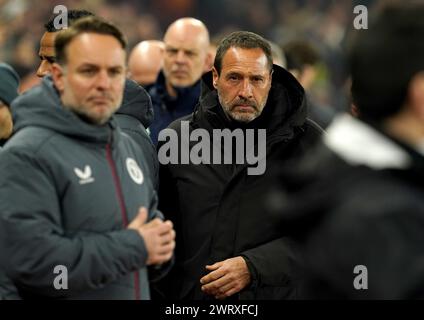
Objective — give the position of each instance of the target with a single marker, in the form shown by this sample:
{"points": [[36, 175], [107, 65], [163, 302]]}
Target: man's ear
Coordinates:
{"points": [[58, 77], [215, 77], [416, 95]]}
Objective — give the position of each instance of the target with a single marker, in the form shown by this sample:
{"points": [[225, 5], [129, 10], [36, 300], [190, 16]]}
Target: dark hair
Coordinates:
{"points": [[73, 15], [244, 40], [85, 25], [384, 58], [300, 53]]}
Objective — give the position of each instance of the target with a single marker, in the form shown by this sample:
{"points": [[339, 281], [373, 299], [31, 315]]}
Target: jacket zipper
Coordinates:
{"points": [[123, 211]]}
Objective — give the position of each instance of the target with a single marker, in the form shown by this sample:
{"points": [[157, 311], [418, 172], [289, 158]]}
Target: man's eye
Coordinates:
{"points": [[88, 72], [115, 72], [171, 51]]}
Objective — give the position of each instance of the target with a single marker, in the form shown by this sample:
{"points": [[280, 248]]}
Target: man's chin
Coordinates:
{"points": [[96, 119], [101, 113], [245, 117], [181, 83], [5, 133]]}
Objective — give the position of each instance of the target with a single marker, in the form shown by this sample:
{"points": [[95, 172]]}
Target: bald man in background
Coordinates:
{"points": [[177, 88], [145, 62]]}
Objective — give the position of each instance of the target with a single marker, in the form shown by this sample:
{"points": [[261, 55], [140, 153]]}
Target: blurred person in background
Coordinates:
{"points": [[355, 204], [177, 89], [9, 82], [146, 61], [46, 52], [278, 56], [302, 62]]}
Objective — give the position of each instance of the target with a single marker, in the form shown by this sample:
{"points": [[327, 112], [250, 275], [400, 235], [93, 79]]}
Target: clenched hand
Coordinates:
{"points": [[158, 235]]}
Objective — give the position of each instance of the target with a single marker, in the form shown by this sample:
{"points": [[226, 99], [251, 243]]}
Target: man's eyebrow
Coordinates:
{"points": [[91, 65], [233, 73], [257, 76], [116, 68], [88, 65], [171, 47], [46, 57]]}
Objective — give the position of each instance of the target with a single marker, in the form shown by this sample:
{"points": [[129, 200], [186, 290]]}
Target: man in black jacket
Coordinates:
{"points": [[227, 245], [357, 202], [75, 195]]}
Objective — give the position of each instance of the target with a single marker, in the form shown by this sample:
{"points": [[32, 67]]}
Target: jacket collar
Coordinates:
{"points": [[42, 107], [361, 144], [182, 93]]}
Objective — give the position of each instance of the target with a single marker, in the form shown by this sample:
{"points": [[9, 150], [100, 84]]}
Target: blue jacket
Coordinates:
{"points": [[167, 109]]}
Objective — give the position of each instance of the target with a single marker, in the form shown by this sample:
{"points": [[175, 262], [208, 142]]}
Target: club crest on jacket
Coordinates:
{"points": [[134, 171]]}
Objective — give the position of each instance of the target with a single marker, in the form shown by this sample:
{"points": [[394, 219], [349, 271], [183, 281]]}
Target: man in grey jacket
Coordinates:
{"points": [[78, 217], [136, 112]]}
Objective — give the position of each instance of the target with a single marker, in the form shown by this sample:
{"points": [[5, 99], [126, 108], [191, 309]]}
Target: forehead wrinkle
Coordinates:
{"points": [[250, 61], [80, 49]]}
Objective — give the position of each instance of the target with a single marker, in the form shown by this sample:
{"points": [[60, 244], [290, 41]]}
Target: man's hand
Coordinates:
{"points": [[226, 278], [158, 235]]}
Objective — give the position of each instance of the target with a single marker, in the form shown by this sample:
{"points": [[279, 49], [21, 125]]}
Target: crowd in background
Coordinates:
{"points": [[322, 22]]}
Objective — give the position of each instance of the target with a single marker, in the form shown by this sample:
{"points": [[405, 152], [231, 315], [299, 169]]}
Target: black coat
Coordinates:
{"points": [[342, 214], [218, 209]]}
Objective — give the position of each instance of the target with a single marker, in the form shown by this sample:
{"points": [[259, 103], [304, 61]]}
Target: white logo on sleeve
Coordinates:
{"points": [[85, 176], [134, 170]]}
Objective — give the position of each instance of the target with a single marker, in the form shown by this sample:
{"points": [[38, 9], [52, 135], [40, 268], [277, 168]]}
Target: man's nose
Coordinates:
{"points": [[246, 90], [181, 57], [103, 80], [44, 69]]}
